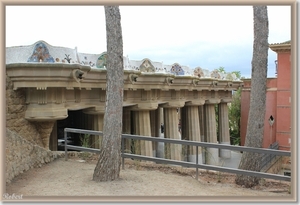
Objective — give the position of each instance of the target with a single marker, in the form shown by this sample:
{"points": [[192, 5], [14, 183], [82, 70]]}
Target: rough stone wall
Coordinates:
{"points": [[22, 155], [35, 132]]}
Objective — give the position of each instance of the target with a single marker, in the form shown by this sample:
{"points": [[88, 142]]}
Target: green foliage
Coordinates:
{"points": [[221, 69], [234, 113], [85, 140], [237, 73]]}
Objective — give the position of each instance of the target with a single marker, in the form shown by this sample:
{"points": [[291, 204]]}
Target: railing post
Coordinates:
{"points": [[197, 162], [122, 145], [66, 143]]}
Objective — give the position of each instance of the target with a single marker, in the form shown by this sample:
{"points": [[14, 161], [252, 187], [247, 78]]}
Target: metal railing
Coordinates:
{"points": [[267, 158], [183, 163], [79, 148]]}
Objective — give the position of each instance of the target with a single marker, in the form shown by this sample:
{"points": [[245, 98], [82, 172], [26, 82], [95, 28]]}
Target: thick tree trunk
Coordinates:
{"points": [[255, 126], [108, 166]]}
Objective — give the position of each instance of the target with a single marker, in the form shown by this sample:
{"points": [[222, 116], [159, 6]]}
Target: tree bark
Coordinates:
{"points": [[108, 166], [255, 126]]}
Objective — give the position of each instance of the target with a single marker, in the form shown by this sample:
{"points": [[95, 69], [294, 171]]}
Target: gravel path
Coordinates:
{"points": [[74, 178]]}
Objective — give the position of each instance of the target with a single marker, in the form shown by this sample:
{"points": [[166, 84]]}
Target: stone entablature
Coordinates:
{"points": [[52, 89]]}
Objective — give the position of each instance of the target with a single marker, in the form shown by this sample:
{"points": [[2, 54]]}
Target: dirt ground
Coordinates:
{"points": [[74, 178]]}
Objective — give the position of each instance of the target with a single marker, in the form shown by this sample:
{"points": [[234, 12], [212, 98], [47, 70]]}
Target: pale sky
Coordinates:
{"points": [[205, 36]]}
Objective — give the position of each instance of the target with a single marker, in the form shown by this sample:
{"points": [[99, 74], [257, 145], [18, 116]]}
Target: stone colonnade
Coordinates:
{"points": [[149, 99], [198, 123]]}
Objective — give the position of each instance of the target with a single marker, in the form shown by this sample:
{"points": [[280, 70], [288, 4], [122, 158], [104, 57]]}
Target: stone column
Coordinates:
{"points": [[142, 127], [211, 154], [172, 151], [90, 122], [126, 123], [192, 131], [93, 119], [224, 135], [44, 129], [161, 114]]}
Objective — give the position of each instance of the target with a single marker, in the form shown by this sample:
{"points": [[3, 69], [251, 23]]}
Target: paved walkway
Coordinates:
{"points": [[234, 161]]}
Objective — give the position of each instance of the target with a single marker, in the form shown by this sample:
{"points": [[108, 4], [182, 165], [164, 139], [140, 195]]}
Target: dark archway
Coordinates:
{"points": [[74, 120]]}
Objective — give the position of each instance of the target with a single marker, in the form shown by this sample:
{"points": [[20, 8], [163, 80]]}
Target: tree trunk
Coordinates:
{"points": [[108, 166], [255, 126]]}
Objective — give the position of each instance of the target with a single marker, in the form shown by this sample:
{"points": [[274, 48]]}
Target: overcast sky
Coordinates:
{"points": [[205, 36]]}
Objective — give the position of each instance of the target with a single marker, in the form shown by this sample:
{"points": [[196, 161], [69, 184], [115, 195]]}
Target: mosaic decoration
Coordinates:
{"points": [[101, 62], [231, 76], [67, 58], [91, 63], [84, 62], [147, 66], [41, 54], [215, 74], [222, 75], [177, 70], [161, 70], [198, 72], [206, 73]]}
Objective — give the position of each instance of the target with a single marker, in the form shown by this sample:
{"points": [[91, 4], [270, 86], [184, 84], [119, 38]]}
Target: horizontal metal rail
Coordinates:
{"points": [[78, 148], [208, 167], [83, 149], [210, 145], [182, 163], [81, 131]]}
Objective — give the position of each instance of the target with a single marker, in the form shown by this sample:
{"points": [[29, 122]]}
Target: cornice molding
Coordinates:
{"points": [[280, 47]]}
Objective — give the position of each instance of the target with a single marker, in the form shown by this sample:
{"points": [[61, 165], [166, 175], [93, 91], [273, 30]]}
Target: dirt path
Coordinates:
{"points": [[74, 178]]}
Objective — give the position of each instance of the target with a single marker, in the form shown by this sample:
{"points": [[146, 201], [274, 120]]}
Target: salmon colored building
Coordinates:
{"points": [[277, 125]]}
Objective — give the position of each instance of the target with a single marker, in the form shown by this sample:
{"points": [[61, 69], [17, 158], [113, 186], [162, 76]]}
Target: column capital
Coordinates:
{"points": [[226, 100], [213, 101], [144, 106], [173, 104], [95, 110], [197, 102], [46, 112]]}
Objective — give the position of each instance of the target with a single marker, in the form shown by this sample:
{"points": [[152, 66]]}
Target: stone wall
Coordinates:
{"points": [[22, 155], [35, 132]]}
